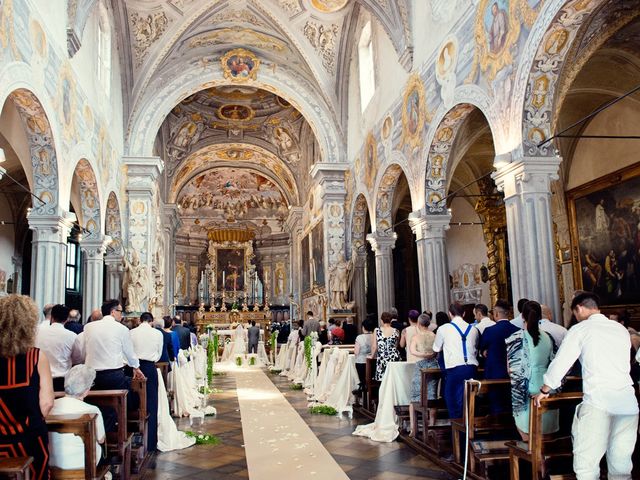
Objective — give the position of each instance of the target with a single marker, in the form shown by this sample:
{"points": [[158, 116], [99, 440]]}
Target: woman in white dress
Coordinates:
{"points": [[239, 341]]}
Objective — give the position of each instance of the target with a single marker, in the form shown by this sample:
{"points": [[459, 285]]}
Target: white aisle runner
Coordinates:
{"points": [[278, 443]]}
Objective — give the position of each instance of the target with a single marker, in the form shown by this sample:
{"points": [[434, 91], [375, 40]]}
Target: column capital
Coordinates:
{"points": [[94, 247], [114, 260], [382, 244], [142, 172], [425, 225], [51, 227], [330, 177], [294, 219], [526, 175], [171, 216]]}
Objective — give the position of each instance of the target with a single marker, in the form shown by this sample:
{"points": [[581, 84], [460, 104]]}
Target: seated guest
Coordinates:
{"points": [[557, 332], [481, 314], [73, 322], [58, 343], [459, 342], [361, 350], [408, 333], [519, 321], [147, 345], [421, 348], [529, 353], [350, 331], [66, 450], [494, 351], [385, 345], [25, 383], [323, 336]]}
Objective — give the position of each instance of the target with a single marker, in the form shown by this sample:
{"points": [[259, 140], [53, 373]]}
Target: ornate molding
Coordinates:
{"points": [[382, 244], [527, 175]]}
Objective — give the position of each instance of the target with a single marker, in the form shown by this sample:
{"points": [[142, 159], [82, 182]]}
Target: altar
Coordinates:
{"points": [[220, 319]]}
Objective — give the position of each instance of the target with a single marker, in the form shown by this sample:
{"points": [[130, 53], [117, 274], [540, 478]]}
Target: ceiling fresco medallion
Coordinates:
{"points": [[236, 113], [240, 65], [329, 6]]}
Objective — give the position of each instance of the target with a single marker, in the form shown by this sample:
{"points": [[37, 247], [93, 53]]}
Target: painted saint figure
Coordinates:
{"points": [[498, 29]]}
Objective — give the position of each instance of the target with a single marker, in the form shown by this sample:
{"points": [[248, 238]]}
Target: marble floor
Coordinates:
{"points": [[359, 457]]}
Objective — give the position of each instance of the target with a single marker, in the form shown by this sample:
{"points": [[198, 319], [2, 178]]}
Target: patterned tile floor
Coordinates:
{"points": [[359, 457]]}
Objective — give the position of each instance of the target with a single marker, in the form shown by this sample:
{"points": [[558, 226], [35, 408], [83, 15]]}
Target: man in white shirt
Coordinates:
{"points": [[519, 321], [147, 344], [607, 419], [46, 312], [557, 332], [58, 343], [106, 344], [481, 314], [459, 342]]}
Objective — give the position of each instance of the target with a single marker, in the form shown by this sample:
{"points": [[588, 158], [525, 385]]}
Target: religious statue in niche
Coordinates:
{"points": [[136, 282], [340, 277], [240, 65]]}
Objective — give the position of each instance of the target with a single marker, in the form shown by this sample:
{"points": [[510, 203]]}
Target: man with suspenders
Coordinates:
{"points": [[459, 342]]}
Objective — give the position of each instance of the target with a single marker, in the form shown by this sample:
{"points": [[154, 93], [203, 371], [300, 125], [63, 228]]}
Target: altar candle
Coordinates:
{"points": [[223, 279]]}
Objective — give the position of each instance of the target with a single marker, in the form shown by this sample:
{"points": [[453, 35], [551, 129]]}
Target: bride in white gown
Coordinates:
{"points": [[237, 346]]}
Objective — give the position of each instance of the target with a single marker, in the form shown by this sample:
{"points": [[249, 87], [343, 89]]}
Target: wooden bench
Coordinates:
{"points": [[372, 387], [16, 468], [137, 424], [541, 447], [436, 431], [118, 442], [84, 426], [487, 432]]}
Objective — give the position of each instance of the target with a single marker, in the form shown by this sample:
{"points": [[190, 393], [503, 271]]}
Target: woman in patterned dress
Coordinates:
{"points": [[385, 346], [26, 387]]}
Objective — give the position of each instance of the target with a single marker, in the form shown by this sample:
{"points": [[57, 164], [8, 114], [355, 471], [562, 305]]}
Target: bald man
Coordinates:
{"points": [[557, 332]]}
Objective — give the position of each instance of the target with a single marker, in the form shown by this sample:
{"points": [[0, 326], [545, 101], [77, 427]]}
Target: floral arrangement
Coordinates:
{"points": [[239, 361], [252, 361], [234, 306], [211, 350], [323, 410], [295, 386], [204, 390], [273, 341], [203, 438], [275, 371], [308, 342]]}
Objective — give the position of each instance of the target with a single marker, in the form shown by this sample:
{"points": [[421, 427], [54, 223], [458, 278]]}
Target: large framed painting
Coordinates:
{"points": [[230, 269], [604, 216], [317, 253], [305, 264]]}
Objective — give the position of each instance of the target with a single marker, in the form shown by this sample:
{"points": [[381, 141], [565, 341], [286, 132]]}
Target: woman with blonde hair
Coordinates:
{"points": [[26, 385]]}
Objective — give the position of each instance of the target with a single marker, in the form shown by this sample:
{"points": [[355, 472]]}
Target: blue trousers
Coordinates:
{"points": [[149, 370], [454, 388]]}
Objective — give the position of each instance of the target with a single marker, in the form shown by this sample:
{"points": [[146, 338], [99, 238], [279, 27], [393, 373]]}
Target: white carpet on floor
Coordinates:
{"points": [[278, 443]]}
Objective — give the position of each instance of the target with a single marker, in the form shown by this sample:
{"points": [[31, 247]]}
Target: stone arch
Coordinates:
{"points": [[384, 195], [113, 224], [359, 213], [40, 135], [160, 98], [85, 180], [552, 45]]}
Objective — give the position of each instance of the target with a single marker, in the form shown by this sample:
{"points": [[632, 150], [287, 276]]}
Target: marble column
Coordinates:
{"points": [[294, 227], [48, 258], [16, 260], [382, 246], [170, 225], [115, 272], [358, 284], [142, 213], [433, 267], [526, 183], [93, 249]]}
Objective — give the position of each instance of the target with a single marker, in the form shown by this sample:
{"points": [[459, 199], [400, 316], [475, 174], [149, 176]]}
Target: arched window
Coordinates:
{"points": [[104, 49], [365, 64]]}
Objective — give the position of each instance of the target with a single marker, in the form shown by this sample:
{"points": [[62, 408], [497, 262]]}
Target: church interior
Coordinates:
{"points": [[223, 163]]}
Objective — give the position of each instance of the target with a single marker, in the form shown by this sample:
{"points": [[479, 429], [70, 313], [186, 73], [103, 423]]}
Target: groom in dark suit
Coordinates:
{"points": [[254, 336]]}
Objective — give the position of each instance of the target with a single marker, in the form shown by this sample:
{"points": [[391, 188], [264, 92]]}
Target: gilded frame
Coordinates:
{"points": [[414, 87], [244, 55], [212, 254]]}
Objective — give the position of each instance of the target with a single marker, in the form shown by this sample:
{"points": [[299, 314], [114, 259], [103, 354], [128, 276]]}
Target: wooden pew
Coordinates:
{"points": [[16, 468], [137, 425], [84, 426], [118, 442], [483, 427], [435, 432], [541, 447], [372, 387]]}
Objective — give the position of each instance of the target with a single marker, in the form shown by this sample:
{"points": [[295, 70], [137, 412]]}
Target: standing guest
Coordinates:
{"points": [[147, 344], [385, 345], [350, 331], [421, 348], [58, 343], [441, 319], [65, 449], [529, 352], [46, 312], [494, 350], [95, 315], [106, 344], [73, 323], [607, 419], [253, 334], [283, 333], [323, 336], [361, 350], [26, 385], [337, 336], [519, 321], [481, 314], [408, 333], [311, 325], [557, 332], [167, 344], [332, 325], [175, 340], [395, 321], [459, 342], [184, 335]]}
